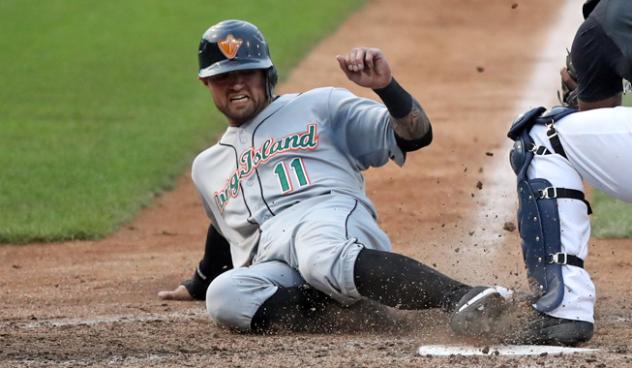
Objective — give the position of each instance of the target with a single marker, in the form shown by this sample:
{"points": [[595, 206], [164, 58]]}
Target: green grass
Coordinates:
{"points": [[612, 218], [100, 108]]}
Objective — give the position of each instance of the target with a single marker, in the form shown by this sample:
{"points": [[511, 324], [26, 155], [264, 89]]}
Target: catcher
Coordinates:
{"points": [[601, 56], [292, 228], [553, 154]]}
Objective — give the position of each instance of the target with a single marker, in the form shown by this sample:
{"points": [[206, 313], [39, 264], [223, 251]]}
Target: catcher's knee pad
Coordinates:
{"points": [[522, 152], [539, 226]]}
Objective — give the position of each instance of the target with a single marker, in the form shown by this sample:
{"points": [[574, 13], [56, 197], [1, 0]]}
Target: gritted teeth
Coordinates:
{"points": [[238, 97]]}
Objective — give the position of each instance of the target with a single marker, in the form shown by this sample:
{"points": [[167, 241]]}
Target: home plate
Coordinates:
{"points": [[512, 350]]}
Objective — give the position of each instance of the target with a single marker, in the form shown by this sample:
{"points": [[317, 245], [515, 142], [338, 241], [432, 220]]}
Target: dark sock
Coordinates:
{"points": [[402, 282], [293, 308]]}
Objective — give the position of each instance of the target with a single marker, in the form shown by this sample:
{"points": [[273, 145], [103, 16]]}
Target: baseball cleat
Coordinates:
{"points": [[477, 311], [542, 329]]}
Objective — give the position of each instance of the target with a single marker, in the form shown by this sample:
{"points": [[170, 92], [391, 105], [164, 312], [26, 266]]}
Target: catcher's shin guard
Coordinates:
{"points": [[539, 225], [538, 217]]}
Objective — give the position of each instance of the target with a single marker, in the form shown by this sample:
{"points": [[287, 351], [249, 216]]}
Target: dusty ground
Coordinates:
{"points": [[94, 303]]}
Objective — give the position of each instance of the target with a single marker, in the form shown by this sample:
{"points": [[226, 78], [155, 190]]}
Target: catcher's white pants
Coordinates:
{"points": [[598, 144], [314, 242]]}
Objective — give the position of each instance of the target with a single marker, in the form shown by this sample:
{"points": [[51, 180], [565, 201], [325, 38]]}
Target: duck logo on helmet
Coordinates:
{"points": [[230, 46]]}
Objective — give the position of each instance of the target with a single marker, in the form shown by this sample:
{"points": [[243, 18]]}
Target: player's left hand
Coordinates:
{"points": [[179, 293], [366, 67]]}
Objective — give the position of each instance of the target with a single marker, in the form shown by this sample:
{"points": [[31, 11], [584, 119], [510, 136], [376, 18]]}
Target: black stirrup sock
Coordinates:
{"points": [[402, 282], [293, 308]]}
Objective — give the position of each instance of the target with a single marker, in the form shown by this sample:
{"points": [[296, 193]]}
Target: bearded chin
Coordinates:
{"points": [[239, 117]]}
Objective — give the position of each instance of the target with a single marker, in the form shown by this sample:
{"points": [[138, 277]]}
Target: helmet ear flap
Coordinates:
{"points": [[273, 77], [271, 80]]}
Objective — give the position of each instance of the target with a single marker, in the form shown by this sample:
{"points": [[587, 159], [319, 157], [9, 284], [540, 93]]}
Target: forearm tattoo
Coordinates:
{"points": [[413, 126]]}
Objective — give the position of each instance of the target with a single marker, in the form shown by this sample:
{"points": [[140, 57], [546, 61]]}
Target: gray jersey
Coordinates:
{"points": [[300, 146]]}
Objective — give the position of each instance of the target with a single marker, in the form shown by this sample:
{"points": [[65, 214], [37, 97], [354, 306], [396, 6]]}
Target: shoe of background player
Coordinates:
{"points": [[477, 312]]}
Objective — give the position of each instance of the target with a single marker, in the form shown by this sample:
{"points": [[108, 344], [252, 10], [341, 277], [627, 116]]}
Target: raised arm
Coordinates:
{"points": [[368, 67]]}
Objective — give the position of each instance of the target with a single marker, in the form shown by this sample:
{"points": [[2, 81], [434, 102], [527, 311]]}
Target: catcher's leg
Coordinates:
{"points": [[597, 146], [574, 230], [555, 231]]}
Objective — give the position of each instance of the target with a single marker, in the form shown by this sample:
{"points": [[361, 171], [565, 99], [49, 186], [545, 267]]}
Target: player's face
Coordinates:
{"points": [[239, 95]]}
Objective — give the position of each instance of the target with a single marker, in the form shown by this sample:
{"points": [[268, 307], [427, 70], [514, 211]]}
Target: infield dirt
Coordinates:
{"points": [[93, 303]]}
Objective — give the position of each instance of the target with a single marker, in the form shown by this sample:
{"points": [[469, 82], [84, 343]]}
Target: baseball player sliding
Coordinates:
{"points": [[292, 227], [553, 154]]}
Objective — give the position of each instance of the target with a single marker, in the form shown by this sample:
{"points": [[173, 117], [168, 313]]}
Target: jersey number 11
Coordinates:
{"points": [[282, 172]]}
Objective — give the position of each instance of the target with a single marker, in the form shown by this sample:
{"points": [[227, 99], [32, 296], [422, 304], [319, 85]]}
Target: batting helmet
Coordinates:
{"points": [[233, 45]]}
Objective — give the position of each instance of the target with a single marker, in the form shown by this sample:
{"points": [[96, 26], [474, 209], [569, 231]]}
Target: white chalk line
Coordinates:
{"points": [[500, 350], [113, 360], [113, 318]]}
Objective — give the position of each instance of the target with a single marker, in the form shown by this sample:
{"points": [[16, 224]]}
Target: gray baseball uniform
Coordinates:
{"points": [[285, 190]]}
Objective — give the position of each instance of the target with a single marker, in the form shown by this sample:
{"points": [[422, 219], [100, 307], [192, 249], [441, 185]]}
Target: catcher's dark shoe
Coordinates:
{"points": [[542, 329], [477, 311]]}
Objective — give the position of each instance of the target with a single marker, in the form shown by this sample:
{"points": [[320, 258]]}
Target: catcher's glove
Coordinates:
{"points": [[568, 95]]}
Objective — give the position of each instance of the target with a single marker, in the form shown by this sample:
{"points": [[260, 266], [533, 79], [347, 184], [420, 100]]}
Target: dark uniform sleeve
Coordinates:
{"points": [[588, 7], [216, 260], [399, 104], [415, 144]]}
